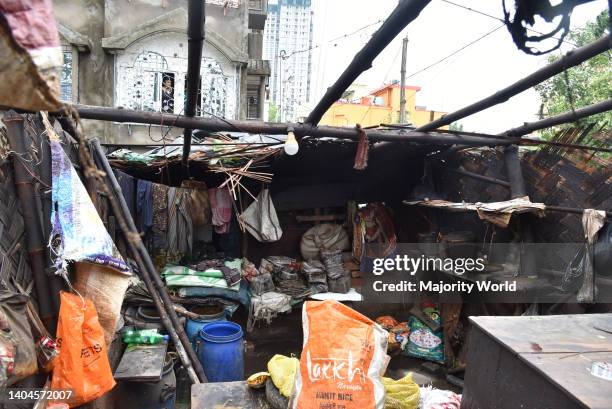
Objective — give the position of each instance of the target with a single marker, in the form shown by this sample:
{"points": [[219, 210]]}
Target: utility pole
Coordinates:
{"points": [[402, 114]]}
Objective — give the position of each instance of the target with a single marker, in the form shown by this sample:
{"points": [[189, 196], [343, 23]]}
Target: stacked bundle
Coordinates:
{"points": [[315, 273], [339, 279], [284, 271]]}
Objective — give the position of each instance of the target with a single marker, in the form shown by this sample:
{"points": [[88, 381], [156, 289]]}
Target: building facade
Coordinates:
{"points": [[133, 54], [381, 106], [288, 47]]}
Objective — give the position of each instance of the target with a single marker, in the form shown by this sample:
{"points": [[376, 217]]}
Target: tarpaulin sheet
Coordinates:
{"points": [[498, 213], [83, 236]]}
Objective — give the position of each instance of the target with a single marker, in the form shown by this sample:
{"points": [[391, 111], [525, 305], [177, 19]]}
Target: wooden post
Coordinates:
{"points": [[402, 113], [195, 33], [517, 189]]}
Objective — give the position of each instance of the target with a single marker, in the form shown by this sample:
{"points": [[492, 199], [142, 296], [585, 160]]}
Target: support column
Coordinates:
{"points": [[518, 189]]}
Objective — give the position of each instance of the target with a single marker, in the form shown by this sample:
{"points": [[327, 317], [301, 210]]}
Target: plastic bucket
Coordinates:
{"points": [[207, 314], [221, 351]]}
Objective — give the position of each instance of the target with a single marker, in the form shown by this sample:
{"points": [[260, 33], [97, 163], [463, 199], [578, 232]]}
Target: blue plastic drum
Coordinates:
{"points": [[221, 351]]}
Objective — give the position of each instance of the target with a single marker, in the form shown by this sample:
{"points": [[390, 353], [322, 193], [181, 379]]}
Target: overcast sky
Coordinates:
{"points": [[440, 29]]}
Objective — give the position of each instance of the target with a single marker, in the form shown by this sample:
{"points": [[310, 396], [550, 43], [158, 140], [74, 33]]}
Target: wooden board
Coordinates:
{"points": [[142, 363]]}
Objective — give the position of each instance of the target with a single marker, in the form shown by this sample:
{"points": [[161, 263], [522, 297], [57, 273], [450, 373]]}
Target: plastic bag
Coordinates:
{"points": [[401, 394], [260, 219], [432, 398], [282, 371], [83, 363], [343, 359], [423, 342]]}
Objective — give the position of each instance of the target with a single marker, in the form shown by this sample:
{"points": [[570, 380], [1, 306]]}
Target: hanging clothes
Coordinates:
{"points": [[144, 205], [221, 207], [200, 204], [180, 227], [127, 184], [159, 195]]}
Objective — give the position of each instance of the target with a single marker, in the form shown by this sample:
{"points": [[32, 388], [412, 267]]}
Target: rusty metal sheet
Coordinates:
{"points": [[549, 334]]}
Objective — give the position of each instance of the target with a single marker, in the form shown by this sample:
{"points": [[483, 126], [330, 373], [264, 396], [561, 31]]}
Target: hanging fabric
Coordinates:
{"points": [[180, 227], [144, 205], [221, 207], [363, 149], [78, 233]]}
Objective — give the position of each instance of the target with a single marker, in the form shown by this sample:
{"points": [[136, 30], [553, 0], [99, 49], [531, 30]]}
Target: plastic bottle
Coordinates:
{"points": [[144, 336]]}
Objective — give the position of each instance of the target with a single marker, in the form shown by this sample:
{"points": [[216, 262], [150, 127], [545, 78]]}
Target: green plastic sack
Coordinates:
{"points": [[401, 394], [282, 370], [423, 342]]}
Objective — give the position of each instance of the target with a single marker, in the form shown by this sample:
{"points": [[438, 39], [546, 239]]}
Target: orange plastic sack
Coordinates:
{"points": [[343, 359], [82, 365]]}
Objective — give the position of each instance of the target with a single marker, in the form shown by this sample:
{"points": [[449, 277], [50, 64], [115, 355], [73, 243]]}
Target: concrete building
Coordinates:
{"points": [[133, 54], [381, 106], [288, 46]]}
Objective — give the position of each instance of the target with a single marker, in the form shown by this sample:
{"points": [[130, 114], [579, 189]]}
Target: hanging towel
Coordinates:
{"points": [[221, 206]]}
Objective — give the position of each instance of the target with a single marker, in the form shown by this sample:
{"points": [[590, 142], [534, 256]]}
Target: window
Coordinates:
{"points": [[167, 92], [144, 81], [151, 76]]}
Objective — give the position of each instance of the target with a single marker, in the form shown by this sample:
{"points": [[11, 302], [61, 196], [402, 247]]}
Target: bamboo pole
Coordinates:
{"points": [[563, 118], [162, 301], [24, 183], [253, 127], [405, 12], [479, 177], [571, 59], [147, 271]]}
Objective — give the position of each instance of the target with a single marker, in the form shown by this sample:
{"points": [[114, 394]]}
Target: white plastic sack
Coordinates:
{"points": [[260, 219], [324, 236]]}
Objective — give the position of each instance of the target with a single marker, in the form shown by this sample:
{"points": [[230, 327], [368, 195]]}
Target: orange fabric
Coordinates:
{"points": [[82, 364], [343, 359]]}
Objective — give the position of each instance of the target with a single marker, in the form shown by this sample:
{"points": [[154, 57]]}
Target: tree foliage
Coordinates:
{"points": [[585, 84], [456, 126]]}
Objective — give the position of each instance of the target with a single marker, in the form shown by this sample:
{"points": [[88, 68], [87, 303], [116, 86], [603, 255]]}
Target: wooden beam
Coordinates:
{"points": [[479, 177], [405, 12], [564, 118], [569, 60], [223, 125]]}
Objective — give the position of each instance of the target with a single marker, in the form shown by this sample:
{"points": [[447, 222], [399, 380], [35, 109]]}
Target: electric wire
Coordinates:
{"points": [[482, 13]]}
